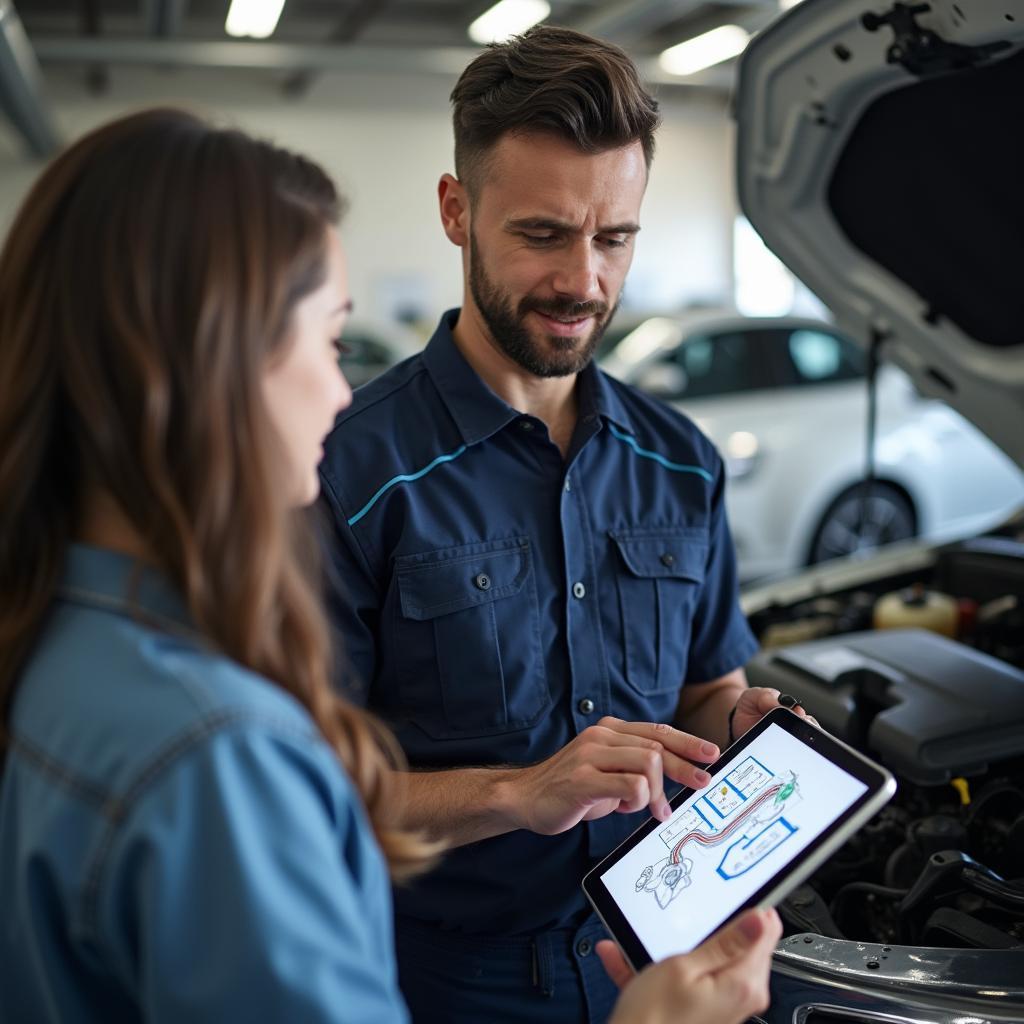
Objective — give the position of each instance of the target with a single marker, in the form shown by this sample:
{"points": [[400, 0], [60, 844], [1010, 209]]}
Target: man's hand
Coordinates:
{"points": [[724, 980], [754, 704], [611, 766]]}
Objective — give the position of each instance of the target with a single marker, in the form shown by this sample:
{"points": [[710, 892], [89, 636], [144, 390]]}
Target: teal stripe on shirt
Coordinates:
{"points": [[404, 478], [676, 467]]}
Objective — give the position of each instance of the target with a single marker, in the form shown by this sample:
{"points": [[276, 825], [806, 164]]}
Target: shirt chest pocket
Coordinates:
{"points": [[659, 581], [468, 636]]}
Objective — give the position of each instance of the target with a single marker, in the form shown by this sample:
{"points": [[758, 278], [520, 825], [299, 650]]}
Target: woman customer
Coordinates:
{"points": [[193, 827]]}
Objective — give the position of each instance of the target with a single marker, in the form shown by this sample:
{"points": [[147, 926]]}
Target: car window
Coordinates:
{"points": [[817, 357], [723, 364]]}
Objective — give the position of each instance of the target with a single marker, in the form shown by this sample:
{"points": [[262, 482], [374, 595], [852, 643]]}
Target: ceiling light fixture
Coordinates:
{"points": [[705, 50], [505, 19], [254, 18]]}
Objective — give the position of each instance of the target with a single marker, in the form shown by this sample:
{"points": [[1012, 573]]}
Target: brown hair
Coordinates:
{"points": [[555, 81], [147, 280]]}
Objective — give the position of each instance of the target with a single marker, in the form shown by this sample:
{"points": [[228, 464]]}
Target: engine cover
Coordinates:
{"points": [[927, 707]]}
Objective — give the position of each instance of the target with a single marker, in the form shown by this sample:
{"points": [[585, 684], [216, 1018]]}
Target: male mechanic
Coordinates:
{"points": [[536, 558]]}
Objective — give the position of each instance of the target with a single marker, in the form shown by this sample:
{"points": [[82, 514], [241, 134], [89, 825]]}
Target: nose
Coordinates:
{"points": [[577, 273], [342, 391]]}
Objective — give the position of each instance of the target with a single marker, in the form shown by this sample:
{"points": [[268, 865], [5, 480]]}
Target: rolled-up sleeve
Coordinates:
{"points": [[243, 884]]}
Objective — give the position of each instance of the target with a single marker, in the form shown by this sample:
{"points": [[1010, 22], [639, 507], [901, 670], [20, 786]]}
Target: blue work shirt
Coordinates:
{"points": [[495, 598], [177, 842]]}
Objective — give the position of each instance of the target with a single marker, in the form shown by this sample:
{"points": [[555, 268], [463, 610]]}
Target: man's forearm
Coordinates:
{"points": [[704, 709], [461, 805]]}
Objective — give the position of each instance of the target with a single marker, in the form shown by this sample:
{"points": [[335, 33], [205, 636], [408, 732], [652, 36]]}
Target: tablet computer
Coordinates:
{"points": [[782, 799]]}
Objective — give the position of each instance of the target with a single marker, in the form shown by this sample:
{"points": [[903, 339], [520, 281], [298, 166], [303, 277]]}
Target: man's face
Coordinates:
{"points": [[551, 239]]}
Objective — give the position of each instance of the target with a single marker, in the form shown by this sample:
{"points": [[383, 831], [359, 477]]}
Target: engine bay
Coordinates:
{"points": [[920, 666]]}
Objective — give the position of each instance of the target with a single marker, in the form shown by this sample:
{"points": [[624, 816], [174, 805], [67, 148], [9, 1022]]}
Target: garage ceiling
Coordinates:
{"points": [[646, 27], [313, 36]]}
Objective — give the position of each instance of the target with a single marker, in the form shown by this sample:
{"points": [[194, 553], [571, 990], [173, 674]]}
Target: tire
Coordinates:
{"points": [[845, 530]]}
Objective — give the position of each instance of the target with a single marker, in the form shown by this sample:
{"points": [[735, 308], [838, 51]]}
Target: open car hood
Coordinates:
{"points": [[881, 156]]}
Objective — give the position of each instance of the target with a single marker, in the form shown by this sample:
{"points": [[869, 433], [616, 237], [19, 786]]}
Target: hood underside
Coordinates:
{"points": [[881, 156]]}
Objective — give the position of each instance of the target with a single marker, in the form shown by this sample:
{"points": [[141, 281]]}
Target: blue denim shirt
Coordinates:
{"points": [[177, 843], [495, 598]]}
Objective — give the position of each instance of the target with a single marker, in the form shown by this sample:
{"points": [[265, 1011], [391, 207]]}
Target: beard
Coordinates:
{"points": [[554, 356]]}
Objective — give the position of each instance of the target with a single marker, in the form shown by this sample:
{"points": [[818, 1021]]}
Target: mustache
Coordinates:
{"points": [[563, 307]]}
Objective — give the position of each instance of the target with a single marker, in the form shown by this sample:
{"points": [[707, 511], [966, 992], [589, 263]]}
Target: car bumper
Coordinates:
{"points": [[817, 980]]}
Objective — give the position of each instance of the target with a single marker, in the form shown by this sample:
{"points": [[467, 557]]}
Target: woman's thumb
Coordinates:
{"points": [[731, 943]]}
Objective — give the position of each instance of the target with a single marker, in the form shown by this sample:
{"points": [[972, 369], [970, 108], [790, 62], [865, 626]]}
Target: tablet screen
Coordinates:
{"points": [[725, 842]]}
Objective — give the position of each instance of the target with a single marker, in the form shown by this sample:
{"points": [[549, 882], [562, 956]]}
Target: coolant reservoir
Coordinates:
{"points": [[918, 607]]}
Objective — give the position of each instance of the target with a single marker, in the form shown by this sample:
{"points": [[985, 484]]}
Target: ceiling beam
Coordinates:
{"points": [[162, 18], [97, 78], [318, 57], [21, 86], [628, 19], [351, 26]]}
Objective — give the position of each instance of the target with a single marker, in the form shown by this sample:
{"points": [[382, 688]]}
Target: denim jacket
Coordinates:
{"points": [[177, 842]]}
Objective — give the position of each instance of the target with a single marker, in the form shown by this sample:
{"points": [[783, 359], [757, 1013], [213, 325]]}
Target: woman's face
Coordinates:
{"points": [[304, 389]]}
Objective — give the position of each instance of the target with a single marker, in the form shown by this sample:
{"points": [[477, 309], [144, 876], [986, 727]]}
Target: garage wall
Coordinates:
{"points": [[386, 139]]}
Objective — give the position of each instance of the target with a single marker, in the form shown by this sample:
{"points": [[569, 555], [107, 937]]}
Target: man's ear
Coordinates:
{"points": [[454, 204]]}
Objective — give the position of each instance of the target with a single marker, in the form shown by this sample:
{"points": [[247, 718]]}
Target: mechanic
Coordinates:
{"points": [[538, 573]]}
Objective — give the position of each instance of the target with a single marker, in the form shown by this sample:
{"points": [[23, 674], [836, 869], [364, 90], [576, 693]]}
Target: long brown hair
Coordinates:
{"points": [[146, 281]]}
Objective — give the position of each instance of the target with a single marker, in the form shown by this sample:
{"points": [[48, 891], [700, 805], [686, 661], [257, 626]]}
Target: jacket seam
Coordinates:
{"points": [[117, 809], [61, 774]]}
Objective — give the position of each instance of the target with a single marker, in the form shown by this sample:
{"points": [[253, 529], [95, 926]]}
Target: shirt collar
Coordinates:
{"points": [[479, 412], [599, 397], [111, 581]]}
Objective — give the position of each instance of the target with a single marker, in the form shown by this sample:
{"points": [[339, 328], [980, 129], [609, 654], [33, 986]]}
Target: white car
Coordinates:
{"points": [[785, 401]]}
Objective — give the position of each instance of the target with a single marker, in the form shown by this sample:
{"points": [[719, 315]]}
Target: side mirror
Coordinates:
{"points": [[663, 380]]}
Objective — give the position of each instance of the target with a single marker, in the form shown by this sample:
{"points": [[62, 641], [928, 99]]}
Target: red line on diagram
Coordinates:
{"points": [[703, 839]]}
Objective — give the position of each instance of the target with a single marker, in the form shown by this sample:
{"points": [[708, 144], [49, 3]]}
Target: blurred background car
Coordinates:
{"points": [[372, 346], [785, 401]]}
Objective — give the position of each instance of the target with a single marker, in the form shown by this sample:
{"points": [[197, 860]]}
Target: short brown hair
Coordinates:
{"points": [[554, 81]]}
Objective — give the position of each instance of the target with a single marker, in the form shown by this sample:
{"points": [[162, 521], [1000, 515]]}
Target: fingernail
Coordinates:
{"points": [[666, 810], [701, 778], [709, 749]]}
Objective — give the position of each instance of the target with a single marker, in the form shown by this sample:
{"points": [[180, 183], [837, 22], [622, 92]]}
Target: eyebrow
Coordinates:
{"points": [[548, 224]]}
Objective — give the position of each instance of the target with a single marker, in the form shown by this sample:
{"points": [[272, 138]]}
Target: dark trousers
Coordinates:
{"points": [[554, 977]]}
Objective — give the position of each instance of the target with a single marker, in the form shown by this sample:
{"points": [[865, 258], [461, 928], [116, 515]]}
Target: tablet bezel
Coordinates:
{"points": [[880, 788]]}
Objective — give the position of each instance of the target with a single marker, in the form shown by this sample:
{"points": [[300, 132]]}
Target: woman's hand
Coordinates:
{"points": [[724, 980]]}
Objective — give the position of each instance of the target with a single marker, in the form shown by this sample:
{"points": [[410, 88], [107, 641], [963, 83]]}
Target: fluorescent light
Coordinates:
{"points": [[256, 18], [703, 51], [505, 19]]}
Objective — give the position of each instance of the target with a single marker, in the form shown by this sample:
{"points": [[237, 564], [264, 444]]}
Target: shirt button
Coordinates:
{"points": [[568, 484], [586, 706], [583, 947], [579, 591], [668, 560], [482, 581], [525, 425]]}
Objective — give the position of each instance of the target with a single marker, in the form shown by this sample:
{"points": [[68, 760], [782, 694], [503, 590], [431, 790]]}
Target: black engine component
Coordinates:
{"points": [[928, 707], [941, 864]]}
